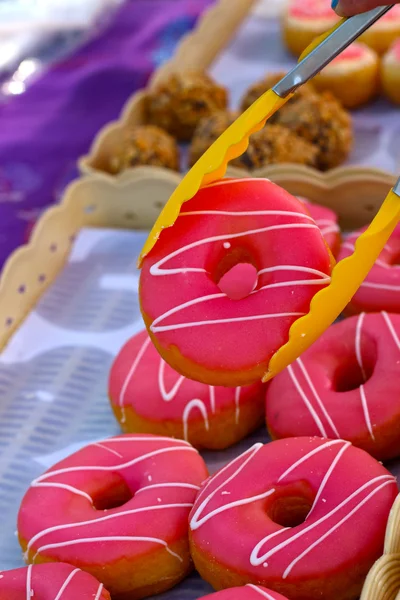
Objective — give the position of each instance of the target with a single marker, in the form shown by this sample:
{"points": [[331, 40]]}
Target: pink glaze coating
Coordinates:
{"points": [[327, 221], [355, 364], [58, 518], [349, 495], [50, 581], [381, 288], [312, 10], [245, 592], [140, 378], [233, 221]]}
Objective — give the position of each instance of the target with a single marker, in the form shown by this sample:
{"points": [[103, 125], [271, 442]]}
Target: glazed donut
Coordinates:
{"points": [[147, 396], [353, 76], [198, 329], [304, 20], [246, 592], [355, 364], [390, 73], [386, 30], [51, 581], [304, 516], [327, 221], [381, 288], [115, 509]]}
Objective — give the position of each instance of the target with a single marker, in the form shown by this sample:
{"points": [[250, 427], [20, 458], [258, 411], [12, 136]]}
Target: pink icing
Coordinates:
{"points": [[58, 521], [356, 364], [179, 294], [57, 581], [246, 592], [381, 288], [327, 221], [312, 10], [392, 15], [141, 379], [349, 493]]}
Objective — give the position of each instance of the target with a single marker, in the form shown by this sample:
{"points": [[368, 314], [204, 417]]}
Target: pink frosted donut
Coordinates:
{"points": [[305, 20], [197, 328], [381, 288], [50, 581], [354, 364], [385, 31], [353, 76], [246, 592], [116, 509], [305, 517], [327, 221], [148, 396]]}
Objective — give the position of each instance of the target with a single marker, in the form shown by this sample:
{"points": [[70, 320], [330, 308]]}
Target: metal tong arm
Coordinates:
{"points": [[340, 38]]}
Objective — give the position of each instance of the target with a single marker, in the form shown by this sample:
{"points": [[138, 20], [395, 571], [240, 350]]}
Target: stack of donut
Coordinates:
{"points": [[301, 517]]}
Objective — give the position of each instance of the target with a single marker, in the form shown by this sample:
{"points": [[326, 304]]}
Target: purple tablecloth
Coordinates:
{"points": [[45, 130]]}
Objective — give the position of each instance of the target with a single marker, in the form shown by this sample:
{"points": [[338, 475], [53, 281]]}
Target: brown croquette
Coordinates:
{"points": [[182, 100], [273, 144], [146, 145]]}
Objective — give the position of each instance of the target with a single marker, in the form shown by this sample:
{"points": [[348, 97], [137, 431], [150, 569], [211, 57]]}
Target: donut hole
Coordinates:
{"points": [[237, 276], [349, 375], [113, 496], [290, 511]]}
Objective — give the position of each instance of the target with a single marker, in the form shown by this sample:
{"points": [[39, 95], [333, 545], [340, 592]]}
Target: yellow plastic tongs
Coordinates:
{"points": [[349, 273]]}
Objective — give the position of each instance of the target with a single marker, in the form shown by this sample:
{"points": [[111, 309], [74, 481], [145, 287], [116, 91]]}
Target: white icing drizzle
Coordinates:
{"points": [[197, 521], [99, 445], [298, 268], [99, 592], [257, 560], [120, 538], [334, 528], [317, 397], [168, 396], [66, 583], [157, 271], [103, 519], [29, 590], [359, 325], [126, 465], [310, 454], [63, 486], [328, 474], [189, 486], [247, 213], [365, 408], [381, 286], [195, 403], [260, 591], [237, 404], [212, 398], [363, 397], [313, 413], [391, 328], [220, 321], [130, 375]]}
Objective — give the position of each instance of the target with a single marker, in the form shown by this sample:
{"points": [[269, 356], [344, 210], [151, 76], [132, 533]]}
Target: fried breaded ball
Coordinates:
{"points": [[181, 101], [146, 145], [324, 122], [273, 144], [257, 89]]}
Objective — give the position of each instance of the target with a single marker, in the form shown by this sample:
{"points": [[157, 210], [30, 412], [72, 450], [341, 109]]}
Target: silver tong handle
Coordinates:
{"points": [[348, 31]]}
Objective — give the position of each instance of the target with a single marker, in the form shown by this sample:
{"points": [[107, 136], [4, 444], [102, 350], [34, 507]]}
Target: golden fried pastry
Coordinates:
{"points": [[273, 144], [323, 121], [258, 88], [146, 145], [181, 101]]}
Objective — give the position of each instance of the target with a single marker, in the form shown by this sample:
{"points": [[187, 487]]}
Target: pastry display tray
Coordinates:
{"points": [[68, 301]]}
